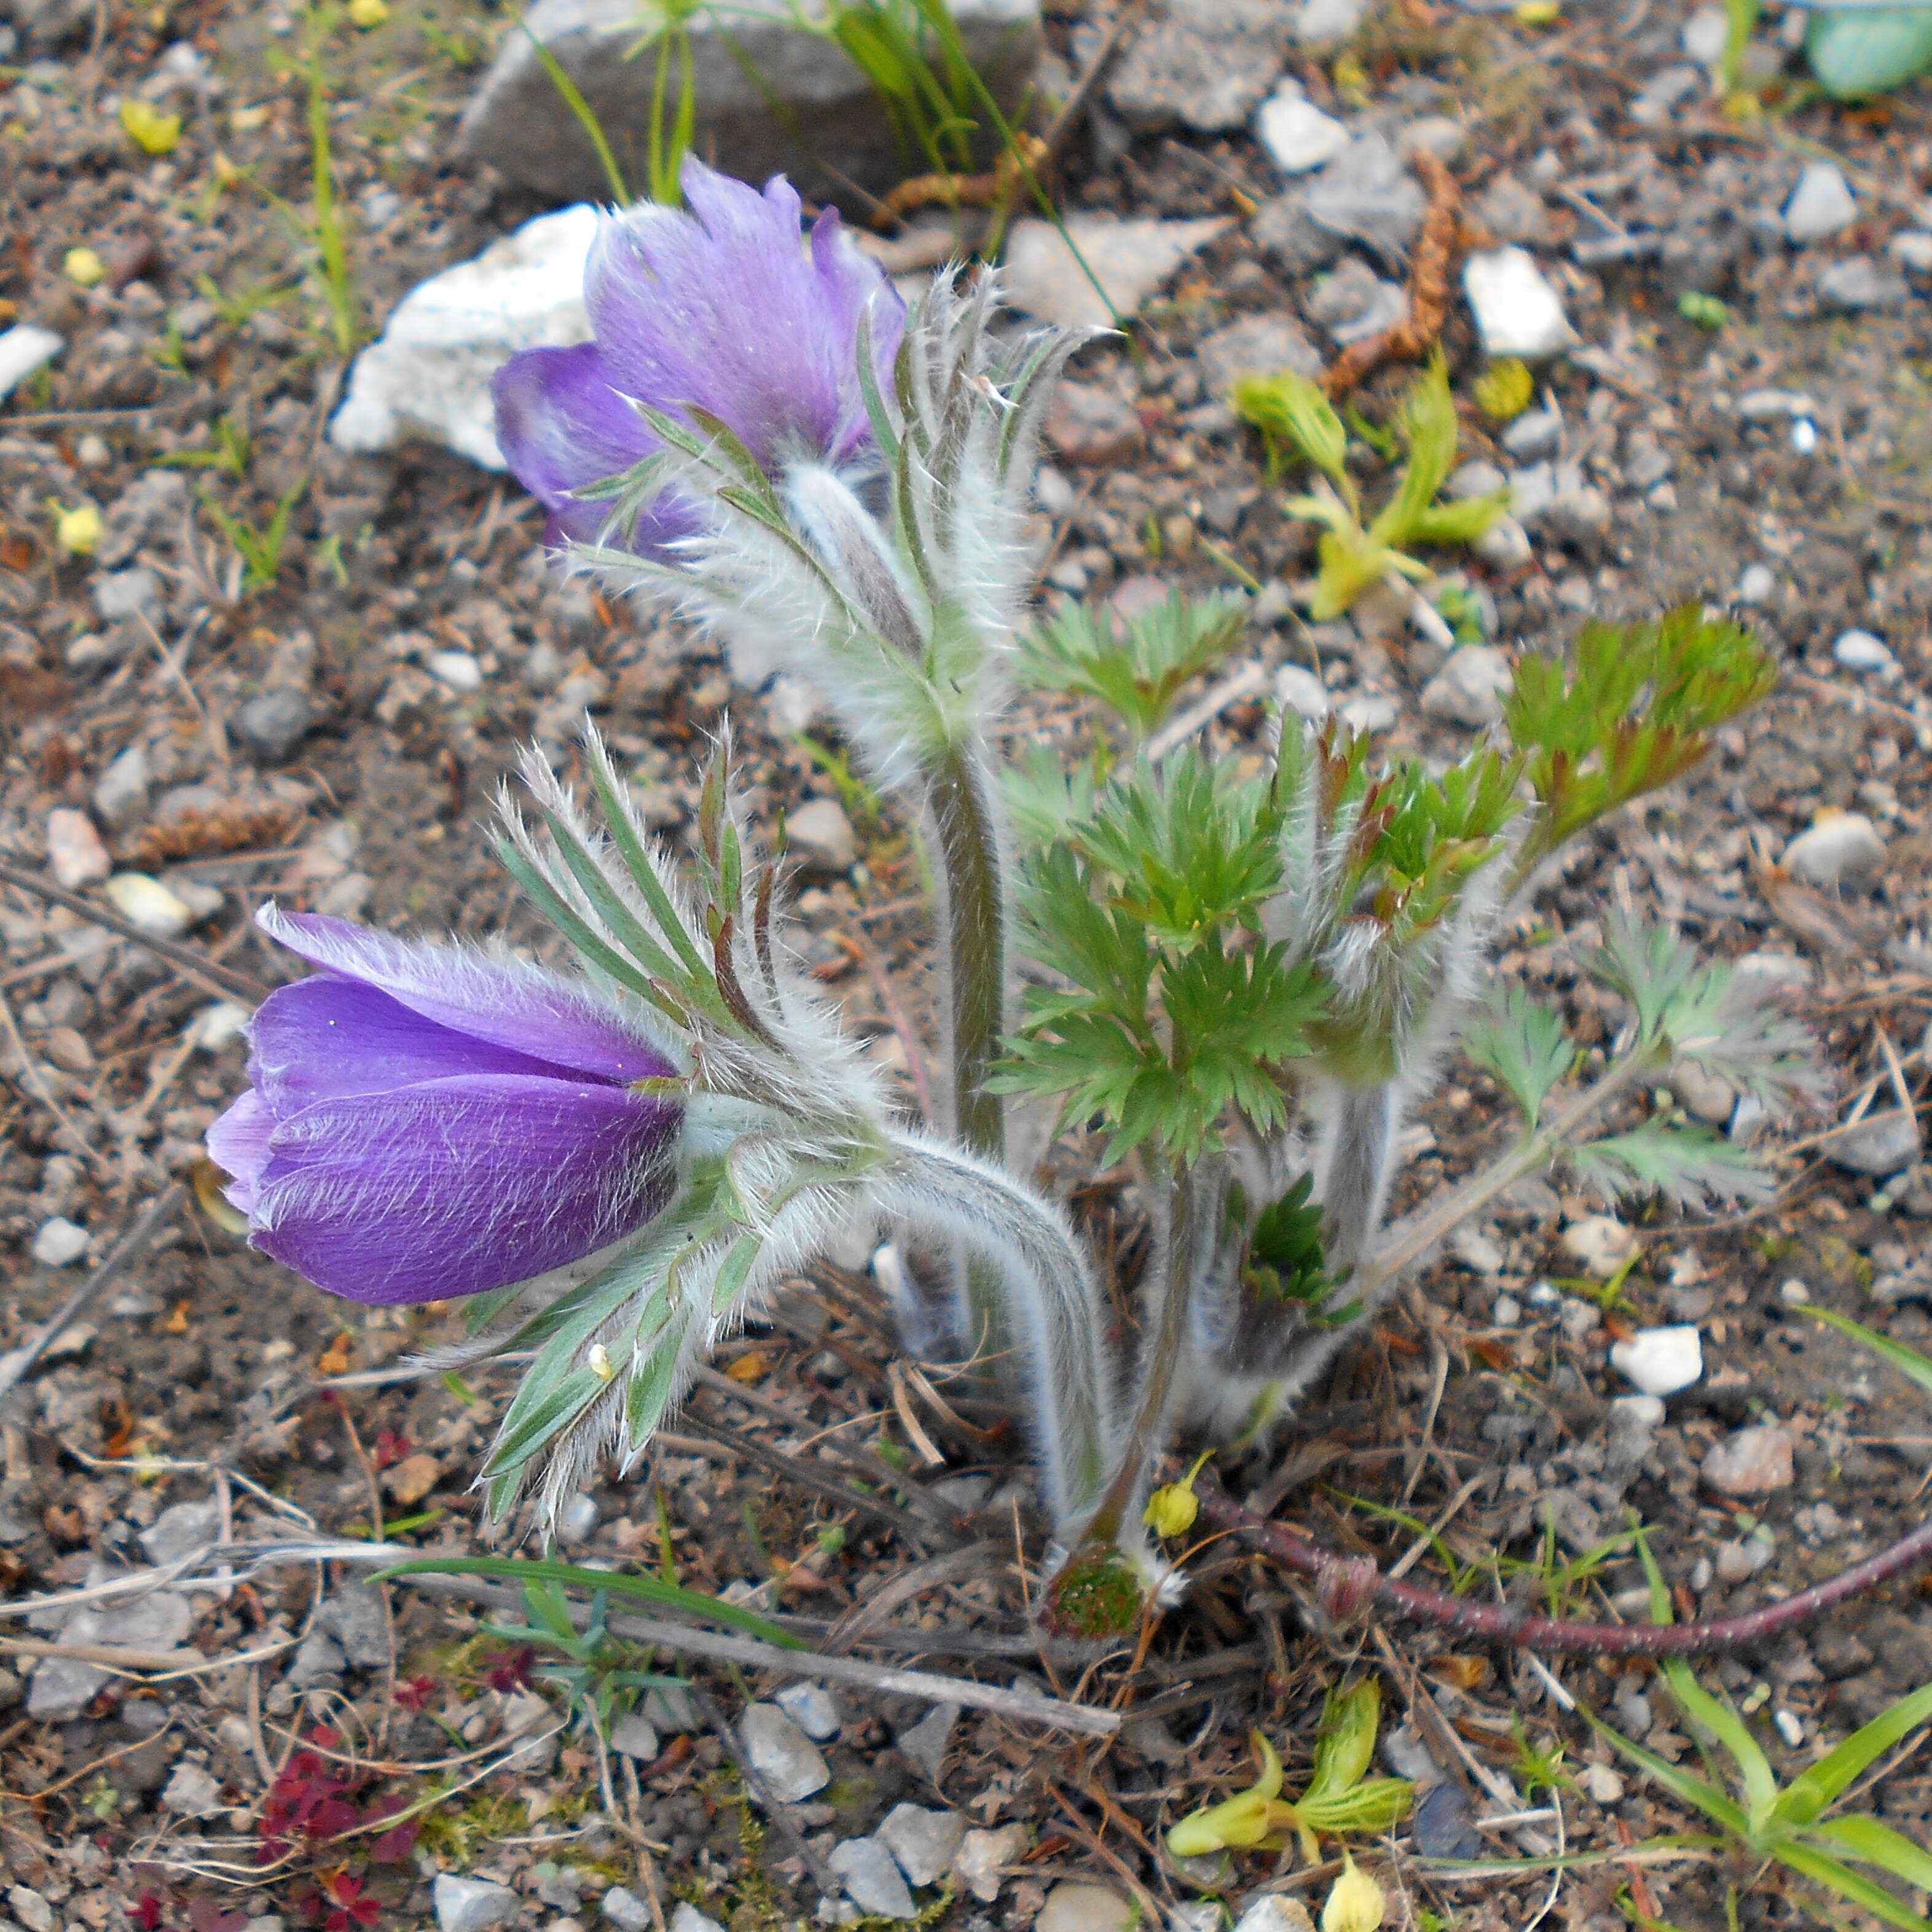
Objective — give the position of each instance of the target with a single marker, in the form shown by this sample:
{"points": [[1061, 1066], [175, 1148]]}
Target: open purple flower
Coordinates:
{"points": [[721, 309], [425, 1123]]}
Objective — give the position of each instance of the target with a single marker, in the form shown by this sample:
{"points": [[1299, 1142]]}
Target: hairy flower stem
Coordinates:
{"points": [[1160, 1357], [965, 841], [1408, 1239], [1356, 1583]]}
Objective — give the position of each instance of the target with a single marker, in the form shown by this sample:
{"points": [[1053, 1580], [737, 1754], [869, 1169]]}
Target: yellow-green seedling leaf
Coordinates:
{"points": [[1171, 1509], [77, 531], [367, 14], [83, 268], [1250, 1818], [1291, 411], [1355, 1902], [151, 131], [1505, 389]]}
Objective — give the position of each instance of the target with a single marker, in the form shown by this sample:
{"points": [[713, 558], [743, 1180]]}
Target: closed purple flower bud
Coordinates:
{"points": [[721, 309], [425, 1123]]}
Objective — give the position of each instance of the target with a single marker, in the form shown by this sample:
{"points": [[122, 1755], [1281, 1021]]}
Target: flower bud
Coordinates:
{"points": [[1355, 1904], [1171, 1509]]}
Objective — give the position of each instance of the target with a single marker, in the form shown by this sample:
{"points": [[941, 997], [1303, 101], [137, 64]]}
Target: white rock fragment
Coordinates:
{"points": [[1470, 688], [628, 1912], [1302, 692], [1275, 1912], [1131, 259], [193, 1792], [473, 1904], [1319, 23], [429, 375], [23, 348], [871, 1879], [1859, 650], [459, 671], [1601, 1784], [1705, 34], [121, 792], [781, 1754], [983, 1856], [1821, 204], [1071, 1907], [147, 903], [821, 837], [59, 1242], [1660, 1361], [815, 1711], [215, 1026], [924, 1842], [1298, 136], [1601, 1244], [75, 854], [688, 1918], [1838, 848], [1880, 1144], [1517, 312], [1753, 1462]]}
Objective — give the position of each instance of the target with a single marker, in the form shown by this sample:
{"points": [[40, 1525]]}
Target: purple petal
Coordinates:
{"points": [[724, 310], [456, 1186], [325, 1039], [508, 1004], [562, 426], [238, 1144]]}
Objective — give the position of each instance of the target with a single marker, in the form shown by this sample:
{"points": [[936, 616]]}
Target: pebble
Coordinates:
{"points": [[147, 903], [1535, 434], [121, 794], [1660, 1361], [627, 1912], [1434, 134], [271, 726], [688, 1918], [215, 1026], [75, 856], [1653, 103], [1911, 249], [1858, 285], [62, 1687], [193, 1792], [1882, 1144], [1442, 1826], [128, 595], [1600, 1243], [1477, 1251], [1822, 204], [1470, 688], [1257, 345], [577, 1519], [459, 671], [781, 1754], [1504, 545], [59, 1242], [472, 1904], [1758, 585], [181, 1529], [1704, 35], [821, 837], [1507, 1312], [1355, 302], [1302, 692], [634, 1735], [1804, 440], [1275, 1912], [924, 1743], [1089, 425], [1602, 1784], [23, 348], [1753, 1462], [925, 1842], [815, 1711], [1367, 195], [1298, 136], [871, 1880], [1071, 1907], [1859, 650], [982, 1854], [1790, 1727], [1517, 312], [1739, 1560], [1131, 259], [1706, 1096], [1320, 23], [1838, 848]]}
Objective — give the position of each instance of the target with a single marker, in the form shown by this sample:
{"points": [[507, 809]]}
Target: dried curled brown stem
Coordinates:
{"points": [[1349, 1585]]}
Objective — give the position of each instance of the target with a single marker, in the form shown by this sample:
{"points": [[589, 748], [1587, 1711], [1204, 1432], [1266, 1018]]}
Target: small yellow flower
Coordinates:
{"points": [[601, 1366], [84, 268], [1171, 1509], [151, 131], [1356, 1903], [1539, 13], [367, 13], [77, 531]]}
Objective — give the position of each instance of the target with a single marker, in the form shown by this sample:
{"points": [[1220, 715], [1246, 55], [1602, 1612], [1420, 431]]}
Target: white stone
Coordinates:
{"points": [[634, 1735], [815, 1711], [1517, 312], [1753, 1462], [577, 1519], [75, 854], [1705, 34], [1911, 250], [687, 1918], [925, 1842], [121, 794], [1758, 585], [1533, 435], [180, 1529], [147, 903], [193, 1792], [1373, 712], [473, 1904], [59, 1241], [924, 1743], [819, 836], [871, 1879], [1302, 692], [429, 375], [216, 1026], [1600, 1243], [1766, 405], [23, 348], [1275, 1912], [1296, 134], [1859, 650], [1881, 1143], [1131, 259], [459, 670], [983, 1855], [1838, 848], [1470, 688], [62, 1687], [1504, 545], [628, 1912], [1660, 1361], [1320, 23], [1072, 1906], [781, 1754], [1821, 204], [1601, 1784]]}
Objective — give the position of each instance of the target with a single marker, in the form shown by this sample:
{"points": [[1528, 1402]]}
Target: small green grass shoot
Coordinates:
{"points": [[259, 546]]}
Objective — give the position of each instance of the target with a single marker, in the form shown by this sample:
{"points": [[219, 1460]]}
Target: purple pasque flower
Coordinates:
{"points": [[425, 1122], [721, 309]]}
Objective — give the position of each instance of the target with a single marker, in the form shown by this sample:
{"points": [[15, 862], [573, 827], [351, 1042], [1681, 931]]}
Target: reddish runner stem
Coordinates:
{"points": [[1349, 1585]]}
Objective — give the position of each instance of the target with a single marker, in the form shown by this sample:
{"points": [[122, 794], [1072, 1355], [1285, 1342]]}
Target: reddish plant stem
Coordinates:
{"points": [[1349, 1585]]}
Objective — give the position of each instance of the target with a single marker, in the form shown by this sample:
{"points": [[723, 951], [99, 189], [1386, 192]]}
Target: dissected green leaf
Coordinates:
{"points": [[1523, 1043], [1687, 1164]]}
